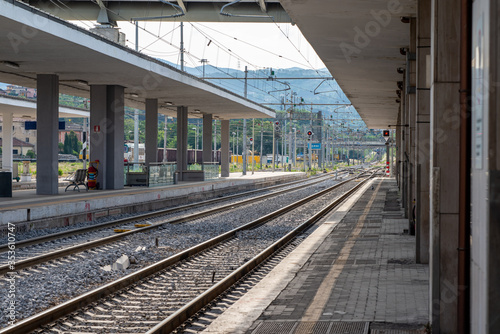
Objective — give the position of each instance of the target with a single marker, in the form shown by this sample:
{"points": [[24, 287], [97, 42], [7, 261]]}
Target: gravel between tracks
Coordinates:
{"points": [[50, 284]]}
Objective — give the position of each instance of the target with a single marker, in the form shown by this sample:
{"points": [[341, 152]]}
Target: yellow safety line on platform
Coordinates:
{"points": [[316, 308]]}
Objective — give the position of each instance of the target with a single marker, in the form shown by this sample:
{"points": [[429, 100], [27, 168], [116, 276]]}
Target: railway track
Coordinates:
{"points": [[117, 222], [55, 246], [179, 286]]}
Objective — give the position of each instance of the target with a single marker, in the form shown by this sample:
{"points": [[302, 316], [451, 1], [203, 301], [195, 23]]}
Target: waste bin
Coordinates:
{"points": [[5, 184], [176, 177]]}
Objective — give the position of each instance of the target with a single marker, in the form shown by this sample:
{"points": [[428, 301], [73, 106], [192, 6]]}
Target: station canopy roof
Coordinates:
{"points": [[34, 42], [360, 43]]}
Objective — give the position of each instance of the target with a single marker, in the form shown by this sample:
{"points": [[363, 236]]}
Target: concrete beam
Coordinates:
{"points": [[151, 131], [47, 115]]}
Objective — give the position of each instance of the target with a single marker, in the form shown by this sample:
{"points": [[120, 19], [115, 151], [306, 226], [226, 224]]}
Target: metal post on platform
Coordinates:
{"points": [[245, 128], [387, 158], [274, 141]]}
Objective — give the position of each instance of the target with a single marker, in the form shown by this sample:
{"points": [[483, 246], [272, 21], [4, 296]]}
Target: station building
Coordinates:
{"points": [[426, 69]]}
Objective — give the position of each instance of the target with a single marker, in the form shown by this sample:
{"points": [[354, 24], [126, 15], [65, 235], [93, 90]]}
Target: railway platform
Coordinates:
{"points": [[66, 208], [355, 273]]}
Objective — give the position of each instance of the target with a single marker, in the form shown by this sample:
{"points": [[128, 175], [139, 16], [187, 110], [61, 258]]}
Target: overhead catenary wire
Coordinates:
{"points": [[252, 45]]}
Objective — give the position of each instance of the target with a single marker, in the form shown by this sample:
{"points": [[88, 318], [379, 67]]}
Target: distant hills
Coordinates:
{"points": [[305, 91], [274, 89]]}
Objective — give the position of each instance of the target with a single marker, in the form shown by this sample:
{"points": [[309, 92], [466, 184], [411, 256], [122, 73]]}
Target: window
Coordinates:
{"points": [[27, 140], [15, 151]]}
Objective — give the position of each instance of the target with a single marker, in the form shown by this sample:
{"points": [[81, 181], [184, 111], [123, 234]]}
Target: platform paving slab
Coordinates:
{"points": [[355, 271]]}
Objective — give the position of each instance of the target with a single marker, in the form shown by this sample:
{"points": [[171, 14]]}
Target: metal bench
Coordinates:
{"points": [[77, 179]]}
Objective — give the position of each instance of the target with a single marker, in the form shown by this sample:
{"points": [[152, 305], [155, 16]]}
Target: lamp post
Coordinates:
{"points": [[294, 155]]}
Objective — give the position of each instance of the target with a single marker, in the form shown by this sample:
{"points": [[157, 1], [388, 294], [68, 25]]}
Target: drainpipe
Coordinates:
{"points": [[463, 304]]}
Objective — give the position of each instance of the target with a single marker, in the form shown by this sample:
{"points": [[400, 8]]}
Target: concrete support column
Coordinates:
{"points": [[224, 150], [399, 150], [444, 164], [97, 133], [404, 148], [115, 137], [47, 115], [411, 105], [182, 140], [207, 138], [422, 157], [107, 134], [485, 169], [7, 141], [151, 131]]}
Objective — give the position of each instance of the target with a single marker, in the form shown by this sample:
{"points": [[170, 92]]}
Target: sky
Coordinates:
{"points": [[227, 45]]}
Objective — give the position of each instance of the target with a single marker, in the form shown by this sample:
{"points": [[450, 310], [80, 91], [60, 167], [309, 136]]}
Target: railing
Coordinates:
{"points": [[161, 173], [135, 174], [211, 170], [195, 167]]}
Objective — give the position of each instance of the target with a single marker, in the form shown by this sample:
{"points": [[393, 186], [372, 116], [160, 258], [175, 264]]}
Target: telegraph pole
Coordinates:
{"points": [[182, 46]]}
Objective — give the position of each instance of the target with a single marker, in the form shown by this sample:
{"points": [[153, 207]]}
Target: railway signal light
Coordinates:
{"points": [[309, 133], [386, 134], [277, 126]]}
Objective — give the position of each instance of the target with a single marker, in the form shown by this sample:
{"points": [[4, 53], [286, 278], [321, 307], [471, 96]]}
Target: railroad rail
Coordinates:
{"points": [[100, 241], [185, 258]]}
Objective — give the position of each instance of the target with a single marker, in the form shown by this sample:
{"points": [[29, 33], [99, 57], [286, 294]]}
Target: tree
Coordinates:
{"points": [[71, 144]]}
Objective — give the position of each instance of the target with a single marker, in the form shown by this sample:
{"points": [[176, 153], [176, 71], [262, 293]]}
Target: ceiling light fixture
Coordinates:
{"points": [[168, 103], [10, 64], [197, 110], [134, 95]]}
